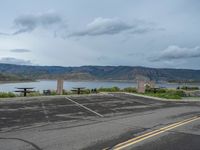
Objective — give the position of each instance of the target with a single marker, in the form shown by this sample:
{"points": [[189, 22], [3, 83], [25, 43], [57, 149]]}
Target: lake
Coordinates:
{"points": [[68, 85]]}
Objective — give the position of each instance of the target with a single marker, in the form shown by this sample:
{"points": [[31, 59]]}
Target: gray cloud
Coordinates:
{"points": [[28, 23], [111, 26], [5, 34], [102, 58], [12, 60], [20, 50], [175, 52]]}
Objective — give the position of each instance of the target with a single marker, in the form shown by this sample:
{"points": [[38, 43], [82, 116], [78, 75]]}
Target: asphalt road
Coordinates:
{"points": [[56, 123]]}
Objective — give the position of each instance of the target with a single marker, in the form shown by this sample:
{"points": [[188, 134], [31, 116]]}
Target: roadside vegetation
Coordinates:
{"points": [[188, 88], [130, 90], [158, 92], [165, 93], [112, 89], [7, 94], [32, 94], [161, 93]]}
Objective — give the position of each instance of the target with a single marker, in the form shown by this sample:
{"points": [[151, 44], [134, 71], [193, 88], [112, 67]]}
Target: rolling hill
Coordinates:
{"points": [[97, 73]]}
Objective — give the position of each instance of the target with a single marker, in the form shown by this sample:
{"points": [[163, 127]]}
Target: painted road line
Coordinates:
{"points": [[45, 112], [84, 107], [107, 148], [153, 133]]}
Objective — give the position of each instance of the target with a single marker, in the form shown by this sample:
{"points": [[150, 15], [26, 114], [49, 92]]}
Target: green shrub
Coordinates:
{"points": [[112, 89], [161, 90], [167, 93], [10, 94], [130, 90], [176, 92], [65, 92], [53, 92], [189, 88], [180, 93], [36, 93], [85, 91], [153, 90], [7, 94]]}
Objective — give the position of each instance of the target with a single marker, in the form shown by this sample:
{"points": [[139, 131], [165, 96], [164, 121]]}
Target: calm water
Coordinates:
{"points": [[68, 85]]}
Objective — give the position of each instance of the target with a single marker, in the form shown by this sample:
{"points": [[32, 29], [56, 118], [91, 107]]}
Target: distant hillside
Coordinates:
{"points": [[7, 77], [99, 73]]}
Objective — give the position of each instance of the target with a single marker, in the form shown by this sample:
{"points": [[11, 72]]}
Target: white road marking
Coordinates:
{"points": [[45, 112], [84, 107]]}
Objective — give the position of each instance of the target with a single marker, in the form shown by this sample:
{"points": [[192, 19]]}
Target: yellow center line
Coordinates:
{"points": [[107, 148], [146, 134], [153, 133]]}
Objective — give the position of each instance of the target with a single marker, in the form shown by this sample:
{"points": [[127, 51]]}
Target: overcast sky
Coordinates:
{"points": [[151, 33]]}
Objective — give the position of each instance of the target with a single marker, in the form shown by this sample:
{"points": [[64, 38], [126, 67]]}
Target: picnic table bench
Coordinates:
{"points": [[25, 90], [78, 89], [46, 92]]}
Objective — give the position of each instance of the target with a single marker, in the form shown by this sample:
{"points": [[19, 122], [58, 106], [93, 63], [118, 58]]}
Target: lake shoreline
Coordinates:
{"points": [[78, 80], [7, 82], [40, 85]]}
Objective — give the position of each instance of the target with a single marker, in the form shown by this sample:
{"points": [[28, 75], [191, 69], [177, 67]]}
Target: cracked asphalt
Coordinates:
{"points": [[55, 123]]}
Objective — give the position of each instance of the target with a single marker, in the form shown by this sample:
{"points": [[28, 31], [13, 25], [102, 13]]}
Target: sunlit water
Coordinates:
{"points": [[68, 85]]}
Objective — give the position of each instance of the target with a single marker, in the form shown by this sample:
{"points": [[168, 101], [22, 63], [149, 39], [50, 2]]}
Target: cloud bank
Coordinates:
{"points": [[4, 34], [20, 50], [28, 23], [111, 26], [16, 61], [99, 26], [175, 52]]}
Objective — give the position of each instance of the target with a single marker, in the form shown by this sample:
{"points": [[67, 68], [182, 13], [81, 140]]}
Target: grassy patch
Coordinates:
{"points": [[37, 93], [7, 94], [130, 90], [166, 93], [161, 93], [188, 88], [112, 89]]}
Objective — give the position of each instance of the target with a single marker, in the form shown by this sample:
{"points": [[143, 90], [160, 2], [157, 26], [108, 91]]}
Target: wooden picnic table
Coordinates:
{"points": [[78, 89], [24, 90]]}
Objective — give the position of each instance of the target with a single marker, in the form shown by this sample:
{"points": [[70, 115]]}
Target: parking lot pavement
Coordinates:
{"points": [[51, 123], [38, 111], [22, 113]]}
